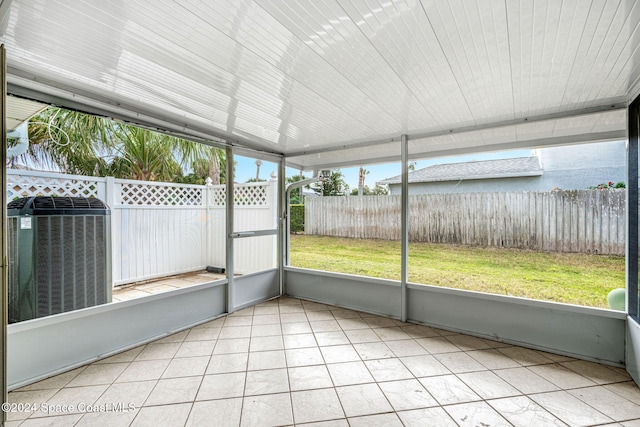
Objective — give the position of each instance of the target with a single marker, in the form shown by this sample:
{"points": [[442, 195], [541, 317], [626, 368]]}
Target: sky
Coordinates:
{"points": [[246, 167]]}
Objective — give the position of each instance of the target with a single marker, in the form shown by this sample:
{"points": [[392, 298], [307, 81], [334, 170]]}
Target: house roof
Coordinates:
{"points": [[335, 82], [486, 169]]}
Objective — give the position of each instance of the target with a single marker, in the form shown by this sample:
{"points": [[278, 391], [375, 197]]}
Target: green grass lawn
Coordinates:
{"points": [[569, 278]]}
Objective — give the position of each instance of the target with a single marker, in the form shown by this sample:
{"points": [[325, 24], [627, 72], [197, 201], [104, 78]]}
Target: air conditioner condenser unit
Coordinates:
{"points": [[58, 254]]}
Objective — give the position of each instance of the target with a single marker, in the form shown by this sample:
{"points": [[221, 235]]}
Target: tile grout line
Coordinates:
{"points": [[581, 371]]}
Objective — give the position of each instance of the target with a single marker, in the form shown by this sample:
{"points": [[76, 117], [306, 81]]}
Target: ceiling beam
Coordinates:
{"points": [[474, 128], [583, 138]]}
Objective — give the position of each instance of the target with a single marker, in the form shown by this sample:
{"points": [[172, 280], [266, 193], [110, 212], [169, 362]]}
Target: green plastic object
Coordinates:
{"points": [[616, 299]]}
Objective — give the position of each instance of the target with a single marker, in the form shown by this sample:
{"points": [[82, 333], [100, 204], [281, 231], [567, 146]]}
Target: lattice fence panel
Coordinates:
{"points": [[218, 196], [244, 195], [28, 185], [160, 195], [252, 195]]}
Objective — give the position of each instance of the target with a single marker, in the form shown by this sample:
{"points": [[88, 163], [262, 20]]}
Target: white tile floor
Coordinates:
{"points": [[151, 287], [293, 362]]}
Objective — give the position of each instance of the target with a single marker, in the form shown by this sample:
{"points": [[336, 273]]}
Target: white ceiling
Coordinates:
{"points": [[337, 81]]}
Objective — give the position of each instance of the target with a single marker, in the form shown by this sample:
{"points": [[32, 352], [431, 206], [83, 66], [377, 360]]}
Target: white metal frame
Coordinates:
{"points": [[421, 42], [632, 356], [583, 332], [3, 233]]}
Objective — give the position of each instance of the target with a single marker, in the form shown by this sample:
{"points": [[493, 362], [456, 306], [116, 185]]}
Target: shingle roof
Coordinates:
{"points": [[500, 168]]}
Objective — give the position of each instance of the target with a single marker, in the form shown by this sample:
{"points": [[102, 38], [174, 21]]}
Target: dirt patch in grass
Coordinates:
{"points": [[562, 277]]}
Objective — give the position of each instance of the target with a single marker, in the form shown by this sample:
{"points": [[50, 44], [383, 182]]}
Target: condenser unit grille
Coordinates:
{"points": [[70, 263], [12, 247], [12, 270], [59, 256]]}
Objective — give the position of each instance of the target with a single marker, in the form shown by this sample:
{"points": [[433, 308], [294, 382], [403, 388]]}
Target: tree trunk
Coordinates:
{"points": [[258, 164], [214, 168]]}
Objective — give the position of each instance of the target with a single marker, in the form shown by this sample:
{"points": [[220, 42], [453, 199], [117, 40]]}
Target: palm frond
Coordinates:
{"points": [[82, 144]]}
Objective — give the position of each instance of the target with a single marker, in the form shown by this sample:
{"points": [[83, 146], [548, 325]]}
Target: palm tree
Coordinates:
{"points": [[361, 176], [333, 185], [82, 144], [144, 155], [68, 141], [258, 164], [215, 165], [296, 196], [201, 168]]}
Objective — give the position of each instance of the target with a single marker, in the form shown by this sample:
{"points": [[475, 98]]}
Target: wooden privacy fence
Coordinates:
{"points": [[587, 221]]}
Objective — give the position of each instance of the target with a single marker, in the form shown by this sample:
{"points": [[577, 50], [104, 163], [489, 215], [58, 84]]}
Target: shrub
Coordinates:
{"points": [[609, 184], [297, 218]]}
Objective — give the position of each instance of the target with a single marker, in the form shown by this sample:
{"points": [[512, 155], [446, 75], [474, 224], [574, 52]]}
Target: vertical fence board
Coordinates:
{"points": [[573, 203], [606, 223], [546, 222], [589, 220], [621, 214]]}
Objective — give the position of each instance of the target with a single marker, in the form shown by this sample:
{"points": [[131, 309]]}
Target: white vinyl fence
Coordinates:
{"points": [[162, 229]]}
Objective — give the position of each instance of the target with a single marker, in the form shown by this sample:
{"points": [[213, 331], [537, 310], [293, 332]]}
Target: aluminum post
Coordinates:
{"points": [[404, 253], [632, 209], [229, 231], [3, 231], [283, 204]]}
